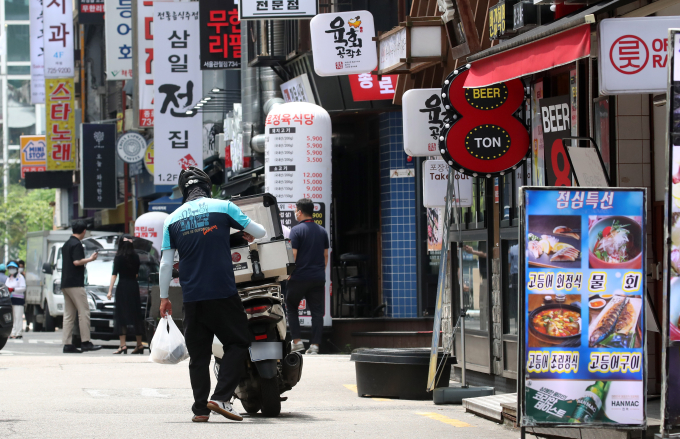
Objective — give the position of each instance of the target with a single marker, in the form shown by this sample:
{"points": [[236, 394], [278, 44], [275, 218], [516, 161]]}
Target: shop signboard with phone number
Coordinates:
{"points": [[583, 331], [298, 165]]}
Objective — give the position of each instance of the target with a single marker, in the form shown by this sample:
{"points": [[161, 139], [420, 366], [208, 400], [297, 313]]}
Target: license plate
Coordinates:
{"points": [[110, 323], [265, 350]]}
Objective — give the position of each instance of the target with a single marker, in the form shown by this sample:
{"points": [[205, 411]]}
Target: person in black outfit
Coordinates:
{"points": [[310, 249], [127, 305], [73, 288]]}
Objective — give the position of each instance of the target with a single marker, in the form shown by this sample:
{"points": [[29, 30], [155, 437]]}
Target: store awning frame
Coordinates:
{"points": [[495, 64]]}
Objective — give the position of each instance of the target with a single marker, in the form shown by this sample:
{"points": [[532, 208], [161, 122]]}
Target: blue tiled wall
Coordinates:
{"points": [[397, 198]]}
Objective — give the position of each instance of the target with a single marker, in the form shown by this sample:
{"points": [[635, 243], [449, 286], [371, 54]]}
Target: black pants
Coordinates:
{"points": [[226, 319], [315, 294]]}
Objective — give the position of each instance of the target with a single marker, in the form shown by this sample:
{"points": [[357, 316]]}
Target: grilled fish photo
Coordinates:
{"points": [[625, 323], [608, 321], [566, 231]]}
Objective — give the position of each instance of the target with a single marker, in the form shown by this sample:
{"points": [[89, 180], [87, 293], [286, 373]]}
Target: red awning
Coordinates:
{"points": [[555, 50]]}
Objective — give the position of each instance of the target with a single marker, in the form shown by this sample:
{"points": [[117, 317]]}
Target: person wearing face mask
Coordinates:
{"points": [[21, 265], [17, 287], [310, 249]]}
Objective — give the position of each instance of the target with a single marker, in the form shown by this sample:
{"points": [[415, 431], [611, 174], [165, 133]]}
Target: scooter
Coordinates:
{"points": [[271, 368], [259, 268]]}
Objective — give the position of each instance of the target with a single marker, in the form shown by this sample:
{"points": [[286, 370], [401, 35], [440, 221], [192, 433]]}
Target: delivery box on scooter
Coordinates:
{"points": [[269, 257]]}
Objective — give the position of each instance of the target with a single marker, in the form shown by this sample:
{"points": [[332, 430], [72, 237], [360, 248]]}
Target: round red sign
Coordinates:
{"points": [[485, 138], [629, 54], [235, 257]]}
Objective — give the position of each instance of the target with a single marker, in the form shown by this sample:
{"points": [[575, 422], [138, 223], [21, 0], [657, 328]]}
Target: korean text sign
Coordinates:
{"points": [[58, 40], [277, 9], [220, 35], [366, 87], [179, 86], [583, 321], [37, 37], [424, 117], [342, 43], [144, 91], [118, 40], [32, 154], [298, 165], [98, 161], [60, 126], [634, 54]]}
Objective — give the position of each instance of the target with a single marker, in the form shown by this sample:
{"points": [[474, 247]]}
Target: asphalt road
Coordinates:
{"points": [[47, 394]]}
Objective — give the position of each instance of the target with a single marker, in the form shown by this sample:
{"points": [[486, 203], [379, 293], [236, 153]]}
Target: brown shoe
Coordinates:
{"points": [[200, 418]]}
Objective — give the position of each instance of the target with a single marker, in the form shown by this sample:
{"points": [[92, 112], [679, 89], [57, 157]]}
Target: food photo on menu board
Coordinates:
{"points": [[584, 345], [674, 297]]}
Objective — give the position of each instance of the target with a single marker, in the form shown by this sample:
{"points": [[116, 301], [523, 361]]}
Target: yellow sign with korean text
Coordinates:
{"points": [[60, 124], [32, 154]]}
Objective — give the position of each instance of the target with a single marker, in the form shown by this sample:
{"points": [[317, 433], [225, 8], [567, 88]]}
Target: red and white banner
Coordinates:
{"points": [[144, 55], [366, 87]]}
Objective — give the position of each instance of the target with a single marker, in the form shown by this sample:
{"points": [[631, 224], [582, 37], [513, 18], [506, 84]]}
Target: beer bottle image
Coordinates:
{"points": [[589, 405]]}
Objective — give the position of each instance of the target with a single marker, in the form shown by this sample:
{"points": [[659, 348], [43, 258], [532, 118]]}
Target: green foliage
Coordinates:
{"points": [[24, 211]]}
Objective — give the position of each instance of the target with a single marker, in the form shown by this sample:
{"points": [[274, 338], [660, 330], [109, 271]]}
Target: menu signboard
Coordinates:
{"points": [[583, 334]]}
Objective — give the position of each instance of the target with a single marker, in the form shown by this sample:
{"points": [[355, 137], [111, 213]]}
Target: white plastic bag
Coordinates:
{"points": [[168, 346]]}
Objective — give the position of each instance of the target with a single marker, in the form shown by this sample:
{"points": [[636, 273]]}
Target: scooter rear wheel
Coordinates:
{"points": [[251, 407], [270, 397]]}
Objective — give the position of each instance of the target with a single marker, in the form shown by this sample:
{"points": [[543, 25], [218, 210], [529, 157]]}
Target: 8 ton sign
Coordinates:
{"points": [[484, 138]]}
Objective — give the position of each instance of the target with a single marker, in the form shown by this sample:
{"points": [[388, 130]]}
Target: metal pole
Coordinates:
{"points": [[5, 156], [127, 197], [462, 315]]}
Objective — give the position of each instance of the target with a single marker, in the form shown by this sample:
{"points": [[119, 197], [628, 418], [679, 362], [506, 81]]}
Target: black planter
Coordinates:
{"points": [[397, 373]]}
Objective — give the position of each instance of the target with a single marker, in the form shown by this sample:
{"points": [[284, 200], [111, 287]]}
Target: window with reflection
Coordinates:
{"points": [[510, 272], [18, 46], [473, 217], [21, 118], [475, 277], [16, 9]]}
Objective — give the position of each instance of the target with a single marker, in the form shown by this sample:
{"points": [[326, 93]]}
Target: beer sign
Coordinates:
{"points": [[484, 137]]}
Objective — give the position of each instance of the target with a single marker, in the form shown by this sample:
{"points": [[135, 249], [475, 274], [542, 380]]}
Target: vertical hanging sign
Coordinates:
{"points": [[144, 88], [556, 123], [98, 166], [118, 39], [37, 38], [178, 129], [298, 165], [60, 124], [58, 41], [583, 334], [671, 329], [220, 35]]}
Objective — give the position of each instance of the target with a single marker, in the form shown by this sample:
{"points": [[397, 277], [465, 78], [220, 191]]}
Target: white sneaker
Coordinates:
{"points": [[313, 350], [295, 347], [225, 409]]}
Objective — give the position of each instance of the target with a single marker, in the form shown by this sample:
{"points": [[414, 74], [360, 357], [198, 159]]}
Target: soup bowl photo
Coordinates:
{"points": [[634, 237]]}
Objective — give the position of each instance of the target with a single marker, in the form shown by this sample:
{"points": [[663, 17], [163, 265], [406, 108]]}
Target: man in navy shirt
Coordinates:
{"points": [[199, 231], [310, 248]]}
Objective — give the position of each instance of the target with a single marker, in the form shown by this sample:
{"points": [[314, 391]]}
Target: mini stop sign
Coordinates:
{"points": [[484, 138]]}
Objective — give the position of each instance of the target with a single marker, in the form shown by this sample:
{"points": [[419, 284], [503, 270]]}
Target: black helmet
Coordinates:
{"points": [[191, 176]]}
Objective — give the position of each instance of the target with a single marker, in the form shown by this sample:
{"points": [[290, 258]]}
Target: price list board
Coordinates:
{"points": [[298, 165], [582, 254]]}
